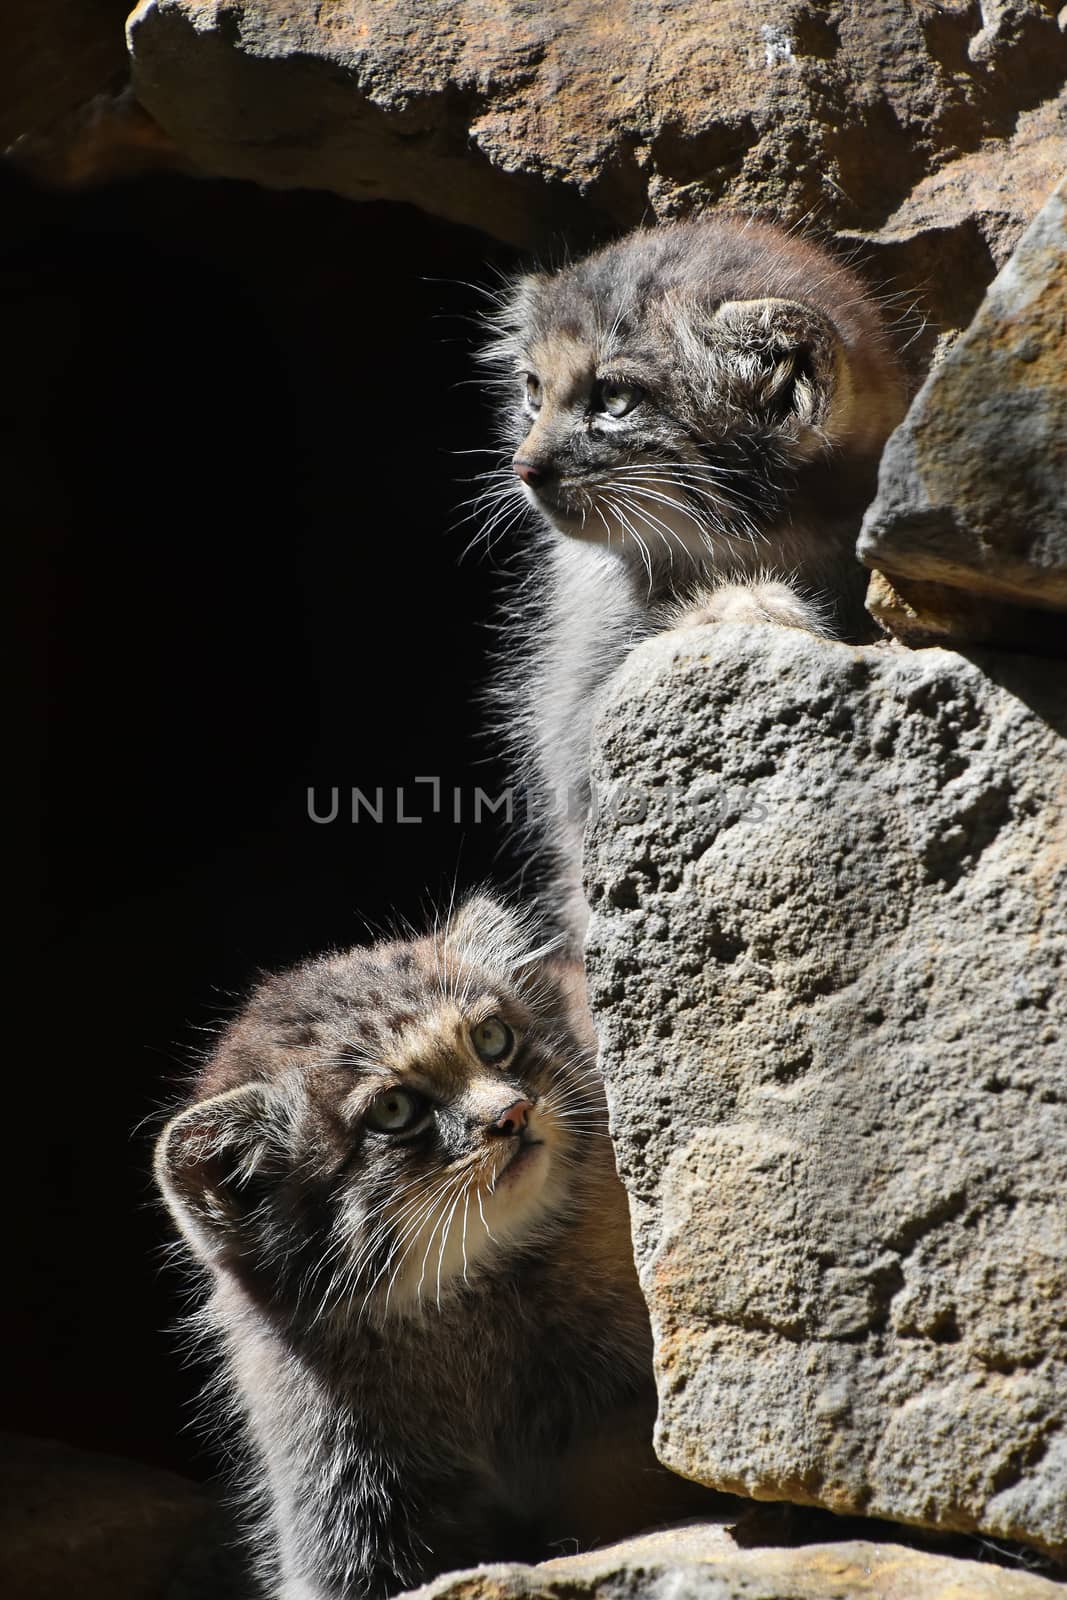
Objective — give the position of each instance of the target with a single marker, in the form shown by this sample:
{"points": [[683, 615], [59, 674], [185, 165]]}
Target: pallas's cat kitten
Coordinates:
{"points": [[396, 1171], [696, 413]]}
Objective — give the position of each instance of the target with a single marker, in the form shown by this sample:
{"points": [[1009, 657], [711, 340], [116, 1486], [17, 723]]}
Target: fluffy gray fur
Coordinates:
{"points": [[417, 1347], [695, 413]]}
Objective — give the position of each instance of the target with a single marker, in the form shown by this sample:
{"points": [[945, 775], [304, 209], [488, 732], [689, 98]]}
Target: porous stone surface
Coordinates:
{"points": [[972, 484], [827, 960], [926, 133], [703, 1562]]}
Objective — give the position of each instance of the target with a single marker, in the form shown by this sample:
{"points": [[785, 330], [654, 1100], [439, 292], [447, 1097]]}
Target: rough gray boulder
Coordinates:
{"points": [[827, 960], [704, 1562], [972, 484]]}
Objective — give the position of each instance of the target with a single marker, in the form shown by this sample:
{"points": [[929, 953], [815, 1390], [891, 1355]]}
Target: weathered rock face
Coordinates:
{"points": [[57, 55], [827, 967], [929, 133], [109, 136], [94, 1526], [705, 1563], [971, 487], [922, 613]]}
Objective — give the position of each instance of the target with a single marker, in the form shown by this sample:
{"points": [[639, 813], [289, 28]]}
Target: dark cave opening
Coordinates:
{"points": [[231, 419]]}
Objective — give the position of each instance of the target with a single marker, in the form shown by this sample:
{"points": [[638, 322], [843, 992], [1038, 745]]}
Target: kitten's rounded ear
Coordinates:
{"points": [[214, 1163], [492, 934], [784, 358]]}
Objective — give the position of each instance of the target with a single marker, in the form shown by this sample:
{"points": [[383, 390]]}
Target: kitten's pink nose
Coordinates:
{"points": [[511, 1122], [529, 472]]}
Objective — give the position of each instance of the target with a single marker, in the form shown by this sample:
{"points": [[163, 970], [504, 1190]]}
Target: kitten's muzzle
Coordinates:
{"points": [[545, 488], [532, 473], [512, 1122]]}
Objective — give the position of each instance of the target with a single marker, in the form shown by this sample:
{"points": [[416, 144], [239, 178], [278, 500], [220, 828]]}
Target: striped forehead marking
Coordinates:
{"points": [[432, 1042], [564, 362]]}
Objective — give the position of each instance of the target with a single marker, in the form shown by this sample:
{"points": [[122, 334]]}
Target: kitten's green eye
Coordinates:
{"points": [[617, 398], [533, 392], [492, 1039], [396, 1111]]}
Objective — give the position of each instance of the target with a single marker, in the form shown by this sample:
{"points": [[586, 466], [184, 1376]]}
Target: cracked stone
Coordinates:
{"points": [[970, 489], [925, 136], [849, 1189]]}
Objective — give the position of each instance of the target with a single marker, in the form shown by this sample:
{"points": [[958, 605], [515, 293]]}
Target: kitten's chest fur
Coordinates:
{"points": [[589, 612], [696, 413], [481, 1414], [518, 1367]]}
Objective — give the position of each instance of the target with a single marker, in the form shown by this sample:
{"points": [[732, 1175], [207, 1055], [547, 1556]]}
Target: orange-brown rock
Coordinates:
{"points": [[925, 131], [705, 1562], [57, 55], [971, 486], [920, 613], [110, 136]]}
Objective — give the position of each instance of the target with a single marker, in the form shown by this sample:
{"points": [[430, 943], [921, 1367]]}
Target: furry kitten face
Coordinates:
{"points": [[384, 1126], [433, 1343], [663, 395]]}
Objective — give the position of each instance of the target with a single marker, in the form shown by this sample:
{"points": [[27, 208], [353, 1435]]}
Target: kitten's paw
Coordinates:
{"points": [[753, 602]]}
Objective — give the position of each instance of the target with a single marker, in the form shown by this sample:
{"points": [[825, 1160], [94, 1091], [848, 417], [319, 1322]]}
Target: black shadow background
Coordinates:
{"points": [[227, 417]]}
